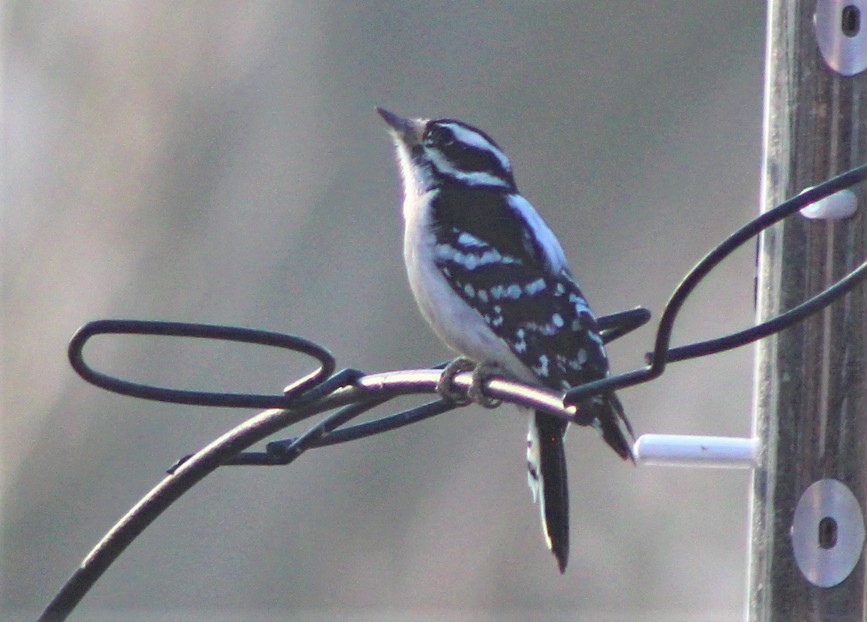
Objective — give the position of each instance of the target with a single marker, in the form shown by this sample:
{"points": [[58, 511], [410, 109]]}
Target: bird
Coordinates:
{"points": [[493, 282]]}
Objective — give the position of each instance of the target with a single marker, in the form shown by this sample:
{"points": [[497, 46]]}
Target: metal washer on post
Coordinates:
{"points": [[842, 34], [827, 506]]}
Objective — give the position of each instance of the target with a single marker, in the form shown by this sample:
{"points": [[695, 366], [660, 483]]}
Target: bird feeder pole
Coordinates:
{"points": [[810, 483]]}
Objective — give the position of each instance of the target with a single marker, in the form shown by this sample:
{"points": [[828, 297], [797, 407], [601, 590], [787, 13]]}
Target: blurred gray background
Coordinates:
{"points": [[222, 162]]}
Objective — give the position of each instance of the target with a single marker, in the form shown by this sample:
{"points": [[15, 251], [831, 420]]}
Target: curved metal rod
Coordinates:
{"points": [[274, 449], [199, 331], [661, 352], [734, 241], [187, 475], [377, 388], [774, 325]]}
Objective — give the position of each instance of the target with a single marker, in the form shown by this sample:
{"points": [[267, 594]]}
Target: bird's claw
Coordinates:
{"points": [[481, 374], [445, 385]]}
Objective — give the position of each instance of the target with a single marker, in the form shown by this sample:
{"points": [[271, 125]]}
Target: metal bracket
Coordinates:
{"points": [[841, 32], [827, 532]]}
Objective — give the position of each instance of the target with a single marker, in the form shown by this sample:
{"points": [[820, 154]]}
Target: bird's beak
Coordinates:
{"points": [[408, 131]]}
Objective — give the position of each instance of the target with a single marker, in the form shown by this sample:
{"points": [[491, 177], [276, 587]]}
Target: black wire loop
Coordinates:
{"points": [[292, 393], [311, 387]]}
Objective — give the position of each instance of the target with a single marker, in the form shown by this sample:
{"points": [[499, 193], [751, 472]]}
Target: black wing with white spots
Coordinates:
{"points": [[529, 298], [537, 309]]}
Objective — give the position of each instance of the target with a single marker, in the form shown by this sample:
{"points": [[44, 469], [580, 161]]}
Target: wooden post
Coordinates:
{"points": [[810, 486]]}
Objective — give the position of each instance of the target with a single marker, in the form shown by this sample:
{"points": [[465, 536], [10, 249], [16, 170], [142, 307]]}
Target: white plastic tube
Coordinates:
{"points": [[839, 205], [696, 451]]}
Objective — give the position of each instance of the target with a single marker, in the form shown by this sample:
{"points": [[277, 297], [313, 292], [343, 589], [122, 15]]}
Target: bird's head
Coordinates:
{"points": [[433, 152]]}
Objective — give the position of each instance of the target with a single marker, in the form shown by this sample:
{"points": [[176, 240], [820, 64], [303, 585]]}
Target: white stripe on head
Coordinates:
{"points": [[475, 178], [474, 139]]}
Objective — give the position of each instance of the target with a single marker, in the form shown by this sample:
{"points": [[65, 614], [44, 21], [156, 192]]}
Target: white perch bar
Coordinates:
{"points": [[696, 451]]}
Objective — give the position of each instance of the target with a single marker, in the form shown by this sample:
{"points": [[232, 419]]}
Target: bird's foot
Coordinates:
{"points": [[476, 393], [445, 385], [481, 374]]}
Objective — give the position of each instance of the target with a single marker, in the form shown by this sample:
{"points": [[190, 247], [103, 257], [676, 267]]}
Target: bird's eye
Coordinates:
{"points": [[440, 137]]}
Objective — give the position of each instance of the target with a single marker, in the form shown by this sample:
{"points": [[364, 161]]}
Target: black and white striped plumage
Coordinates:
{"points": [[493, 282]]}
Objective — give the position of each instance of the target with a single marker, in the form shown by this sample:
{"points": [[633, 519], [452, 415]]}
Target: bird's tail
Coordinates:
{"points": [[605, 414], [546, 464]]}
